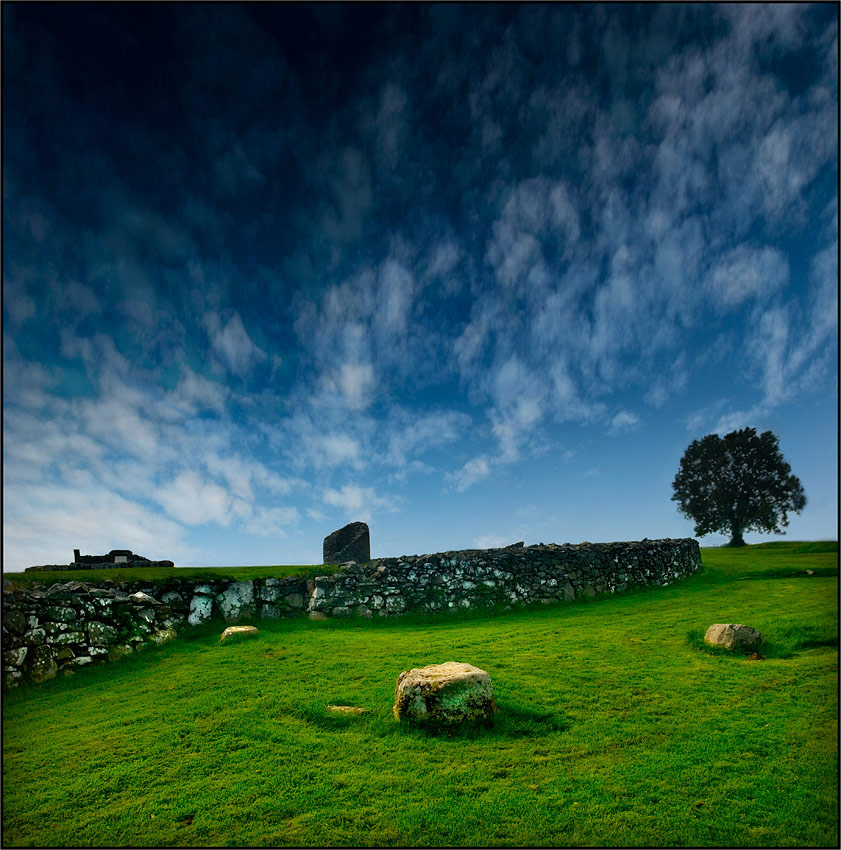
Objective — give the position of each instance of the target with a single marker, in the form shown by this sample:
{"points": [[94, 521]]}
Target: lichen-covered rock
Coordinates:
{"points": [[446, 694], [100, 634], [200, 609], [164, 635], [42, 665], [237, 631], [733, 636], [141, 598], [237, 601]]}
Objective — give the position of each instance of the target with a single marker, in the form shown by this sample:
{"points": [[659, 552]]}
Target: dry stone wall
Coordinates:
{"points": [[51, 629], [516, 575]]}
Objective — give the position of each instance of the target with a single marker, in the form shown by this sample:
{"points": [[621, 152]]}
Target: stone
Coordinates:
{"points": [[60, 614], [141, 598], [172, 597], [34, 637], [200, 608], [317, 615], [346, 709], [232, 631], [441, 695], [121, 651], [733, 636], [68, 637], [350, 543], [237, 601], [164, 635], [42, 665], [15, 657], [14, 621], [99, 634]]}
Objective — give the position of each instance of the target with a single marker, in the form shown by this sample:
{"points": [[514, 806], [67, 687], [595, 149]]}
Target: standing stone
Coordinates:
{"points": [[351, 543]]}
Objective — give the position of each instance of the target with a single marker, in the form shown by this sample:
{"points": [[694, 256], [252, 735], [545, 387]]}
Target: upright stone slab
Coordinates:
{"points": [[351, 543]]}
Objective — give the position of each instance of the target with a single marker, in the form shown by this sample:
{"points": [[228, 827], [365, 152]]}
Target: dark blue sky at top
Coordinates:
{"points": [[489, 223]]}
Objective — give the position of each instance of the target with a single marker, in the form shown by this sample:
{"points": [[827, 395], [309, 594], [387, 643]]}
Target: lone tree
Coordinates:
{"points": [[737, 483]]}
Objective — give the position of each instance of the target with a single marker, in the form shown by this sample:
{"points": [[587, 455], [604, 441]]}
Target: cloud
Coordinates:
{"points": [[474, 470], [358, 503], [192, 500], [623, 422], [45, 524], [272, 522], [745, 273], [232, 346], [491, 541]]}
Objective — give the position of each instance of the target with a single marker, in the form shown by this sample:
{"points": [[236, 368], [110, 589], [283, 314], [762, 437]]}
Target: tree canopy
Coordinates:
{"points": [[737, 483]]}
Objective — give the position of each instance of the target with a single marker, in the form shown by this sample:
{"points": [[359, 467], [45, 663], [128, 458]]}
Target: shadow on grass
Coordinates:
{"points": [[513, 722]]}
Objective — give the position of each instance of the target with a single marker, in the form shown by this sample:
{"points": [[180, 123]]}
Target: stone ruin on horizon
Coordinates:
{"points": [[116, 558]]}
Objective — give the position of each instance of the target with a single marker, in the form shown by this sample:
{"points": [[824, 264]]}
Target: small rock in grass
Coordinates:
{"points": [[441, 695], [238, 630], [346, 709], [733, 636]]}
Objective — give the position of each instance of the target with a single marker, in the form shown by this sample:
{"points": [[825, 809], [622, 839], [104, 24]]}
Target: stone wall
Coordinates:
{"points": [[516, 575], [55, 628]]}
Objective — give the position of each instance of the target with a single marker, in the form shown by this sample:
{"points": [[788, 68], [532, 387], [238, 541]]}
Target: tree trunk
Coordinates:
{"points": [[736, 538]]}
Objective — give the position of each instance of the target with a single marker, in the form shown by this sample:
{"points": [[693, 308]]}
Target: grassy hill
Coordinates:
{"points": [[616, 728]]}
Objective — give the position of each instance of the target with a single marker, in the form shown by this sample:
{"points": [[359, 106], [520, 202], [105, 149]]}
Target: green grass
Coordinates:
{"points": [[617, 727], [156, 575]]}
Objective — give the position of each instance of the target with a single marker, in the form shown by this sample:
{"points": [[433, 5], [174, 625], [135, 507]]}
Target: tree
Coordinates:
{"points": [[737, 483]]}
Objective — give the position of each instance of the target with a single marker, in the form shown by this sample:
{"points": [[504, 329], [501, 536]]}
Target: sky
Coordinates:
{"points": [[472, 274]]}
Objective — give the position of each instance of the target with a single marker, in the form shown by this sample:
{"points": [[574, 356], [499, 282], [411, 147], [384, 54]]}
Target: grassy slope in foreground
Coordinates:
{"points": [[615, 729]]}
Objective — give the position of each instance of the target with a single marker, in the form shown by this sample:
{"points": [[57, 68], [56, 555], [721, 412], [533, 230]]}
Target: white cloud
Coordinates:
{"points": [[623, 422], [193, 500], [232, 345], [359, 503], [746, 272], [475, 470], [46, 521], [271, 522], [356, 383], [412, 434], [491, 541]]}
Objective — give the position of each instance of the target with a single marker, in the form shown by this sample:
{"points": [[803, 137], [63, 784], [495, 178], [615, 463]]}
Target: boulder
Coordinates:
{"points": [[733, 636], [351, 543], [238, 630], [448, 694]]}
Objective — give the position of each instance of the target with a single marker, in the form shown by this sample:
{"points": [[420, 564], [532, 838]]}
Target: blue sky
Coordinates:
{"points": [[471, 274]]}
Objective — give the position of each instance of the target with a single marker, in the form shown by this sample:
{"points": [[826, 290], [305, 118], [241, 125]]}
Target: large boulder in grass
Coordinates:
{"points": [[441, 695], [733, 636], [351, 543]]}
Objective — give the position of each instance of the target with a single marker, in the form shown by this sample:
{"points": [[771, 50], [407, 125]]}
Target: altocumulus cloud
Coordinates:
{"points": [[267, 268]]}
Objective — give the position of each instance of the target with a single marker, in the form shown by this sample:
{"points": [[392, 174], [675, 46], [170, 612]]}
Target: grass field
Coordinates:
{"points": [[616, 728], [155, 575]]}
